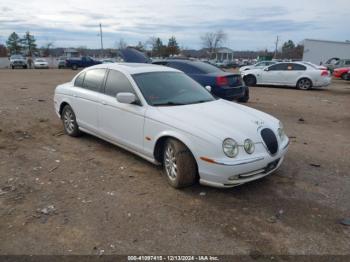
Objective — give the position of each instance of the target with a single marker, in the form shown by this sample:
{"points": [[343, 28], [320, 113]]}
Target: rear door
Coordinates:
{"points": [[273, 75], [86, 98], [294, 72], [122, 123]]}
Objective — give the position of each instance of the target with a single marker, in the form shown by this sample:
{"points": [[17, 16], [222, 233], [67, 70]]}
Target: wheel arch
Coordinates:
{"points": [[304, 77], [160, 143]]}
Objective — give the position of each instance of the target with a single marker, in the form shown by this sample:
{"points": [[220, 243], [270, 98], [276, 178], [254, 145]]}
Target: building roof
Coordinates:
{"points": [[327, 41]]}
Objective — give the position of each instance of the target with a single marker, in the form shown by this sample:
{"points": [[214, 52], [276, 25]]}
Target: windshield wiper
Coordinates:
{"points": [[201, 101], [169, 103]]}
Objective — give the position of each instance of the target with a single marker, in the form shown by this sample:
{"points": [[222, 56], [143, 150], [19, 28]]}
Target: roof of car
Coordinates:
{"points": [[135, 68]]}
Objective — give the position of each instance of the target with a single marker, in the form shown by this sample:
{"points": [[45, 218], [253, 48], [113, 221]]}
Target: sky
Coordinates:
{"points": [[249, 24]]}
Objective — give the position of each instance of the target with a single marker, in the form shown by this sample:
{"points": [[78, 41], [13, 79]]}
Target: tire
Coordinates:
{"points": [[25, 67], [344, 76], [304, 84], [180, 167], [250, 80], [69, 121], [13, 67], [245, 98], [74, 67]]}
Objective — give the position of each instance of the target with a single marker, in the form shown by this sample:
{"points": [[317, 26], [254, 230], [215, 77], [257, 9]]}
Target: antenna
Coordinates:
{"points": [[101, 38]]}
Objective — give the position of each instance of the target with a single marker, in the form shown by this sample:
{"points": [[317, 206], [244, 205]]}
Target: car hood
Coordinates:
{"points": [[132, 55], [220, 119], [18, 59]]}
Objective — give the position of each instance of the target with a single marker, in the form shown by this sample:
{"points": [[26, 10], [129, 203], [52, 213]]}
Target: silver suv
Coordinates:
{"points": [[18, 61]]}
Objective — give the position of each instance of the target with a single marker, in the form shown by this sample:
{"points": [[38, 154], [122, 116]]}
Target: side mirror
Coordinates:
{"points": [[208, 88], [126, 98], [266, 69]]}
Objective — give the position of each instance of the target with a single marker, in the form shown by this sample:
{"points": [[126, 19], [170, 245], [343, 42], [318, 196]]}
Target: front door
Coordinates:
{"points": [[122, 123]]}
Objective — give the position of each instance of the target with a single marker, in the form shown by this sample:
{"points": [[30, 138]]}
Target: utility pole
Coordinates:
{"points": [[276, 47], [101, 38]]}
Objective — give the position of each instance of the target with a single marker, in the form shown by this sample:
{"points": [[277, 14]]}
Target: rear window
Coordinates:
{"points": [[206, 68], [93, 79]]}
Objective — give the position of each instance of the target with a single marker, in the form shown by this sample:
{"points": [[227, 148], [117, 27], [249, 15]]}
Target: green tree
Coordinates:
{"points": [[158, 48], [173, 47], [140, 46], [14, 43], [288, 45], [28, 43]]}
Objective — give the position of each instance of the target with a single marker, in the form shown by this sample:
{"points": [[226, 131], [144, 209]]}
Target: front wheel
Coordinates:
{"points": [[304, 84], [179, 164], [345, 76], [74, 67], [70, 124]]}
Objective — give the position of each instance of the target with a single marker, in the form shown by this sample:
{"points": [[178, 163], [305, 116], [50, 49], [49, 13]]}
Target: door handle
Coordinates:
{"points": [[74, 95], [103, 103]]}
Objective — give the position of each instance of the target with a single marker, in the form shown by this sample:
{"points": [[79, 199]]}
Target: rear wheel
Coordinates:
{"points": [[245, 98], [344, 76], [70, 124], [250, 80], [179, 164], [74, 67], [304, 84]]}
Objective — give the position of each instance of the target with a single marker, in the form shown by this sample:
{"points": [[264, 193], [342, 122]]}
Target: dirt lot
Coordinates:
{"points": [[63, 195]]}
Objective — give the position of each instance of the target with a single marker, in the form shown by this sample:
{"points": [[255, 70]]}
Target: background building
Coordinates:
{"points": [[317, 51]]}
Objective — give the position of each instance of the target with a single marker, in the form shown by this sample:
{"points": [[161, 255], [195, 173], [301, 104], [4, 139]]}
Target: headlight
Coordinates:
{"points": [[249, 146], [230, 147], [280, 131]]}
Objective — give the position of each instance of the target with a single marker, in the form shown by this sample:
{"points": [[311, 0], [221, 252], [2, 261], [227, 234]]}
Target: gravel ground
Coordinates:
{"points": [[63, 195]]}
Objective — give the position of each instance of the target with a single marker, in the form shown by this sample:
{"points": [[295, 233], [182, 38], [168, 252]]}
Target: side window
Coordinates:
{"points": [[116, 83], [186, 68], [278, 67], [93, 79], [79, 80], [347, 62], [298, 67]]}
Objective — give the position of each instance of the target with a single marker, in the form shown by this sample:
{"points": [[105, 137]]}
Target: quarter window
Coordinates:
{"points": [[93, 79], [117, 83], [79, 80]]}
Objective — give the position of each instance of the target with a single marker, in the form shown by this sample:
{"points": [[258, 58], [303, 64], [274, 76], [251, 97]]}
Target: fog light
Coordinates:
{"points": [[235, 177]]}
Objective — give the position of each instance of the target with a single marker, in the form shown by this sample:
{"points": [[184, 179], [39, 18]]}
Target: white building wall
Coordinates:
{"points": [[317, 51]]}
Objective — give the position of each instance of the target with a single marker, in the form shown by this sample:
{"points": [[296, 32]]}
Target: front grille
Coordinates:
{"points": [[270, 140]]}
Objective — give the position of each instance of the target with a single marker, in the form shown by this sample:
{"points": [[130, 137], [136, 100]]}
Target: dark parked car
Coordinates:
{"points": [[223, 84], [81, 62]]}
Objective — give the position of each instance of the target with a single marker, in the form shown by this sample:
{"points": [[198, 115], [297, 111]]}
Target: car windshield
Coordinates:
{"points": [[16, 57], [40, 60], [171, 88]]}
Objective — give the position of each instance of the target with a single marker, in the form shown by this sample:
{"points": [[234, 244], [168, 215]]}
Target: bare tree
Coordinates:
{"points": [[213, 40]]}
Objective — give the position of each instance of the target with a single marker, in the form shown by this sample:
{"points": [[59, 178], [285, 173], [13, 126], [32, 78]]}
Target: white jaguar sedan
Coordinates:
{"points": [[164, 116]]}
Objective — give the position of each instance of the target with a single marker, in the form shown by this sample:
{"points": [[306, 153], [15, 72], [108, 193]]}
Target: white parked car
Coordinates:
{"points": [[40, 63], [164, 116], [297, 74], [258, 65]]}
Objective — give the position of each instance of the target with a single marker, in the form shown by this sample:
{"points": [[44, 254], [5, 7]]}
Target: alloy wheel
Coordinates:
{"points": [[170, 162]]}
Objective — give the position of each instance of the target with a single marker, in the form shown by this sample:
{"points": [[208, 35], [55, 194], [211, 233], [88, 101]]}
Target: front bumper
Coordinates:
{"points": [[237, 172], [41, 66]]}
